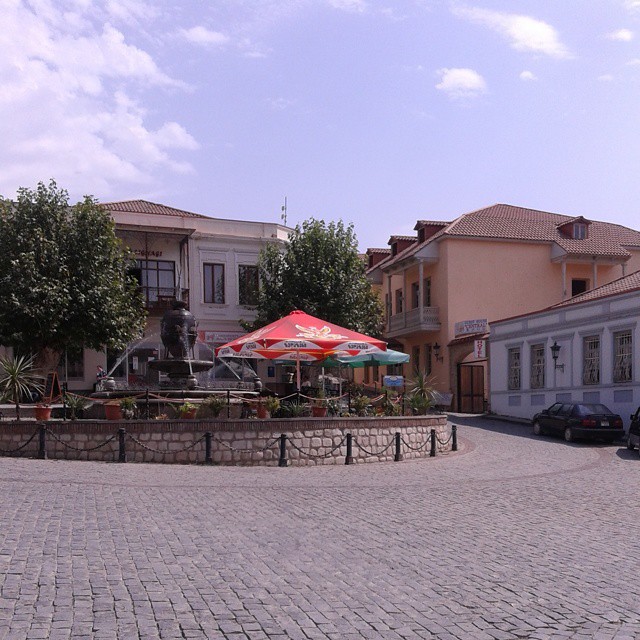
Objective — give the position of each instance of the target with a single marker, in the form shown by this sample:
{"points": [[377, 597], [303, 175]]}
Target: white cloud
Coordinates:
{"points": [[353, 6], [461, 83], [524, 32], [632, 5], [203, 36], [622, 35], [607, 77], [67, 81], [527, 76]]}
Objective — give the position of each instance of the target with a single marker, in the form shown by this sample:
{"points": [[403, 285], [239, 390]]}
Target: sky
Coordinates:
{"points": [[375, 112]]}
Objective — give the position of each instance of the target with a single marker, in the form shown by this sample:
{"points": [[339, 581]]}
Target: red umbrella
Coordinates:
{"points": [[298, 337]]}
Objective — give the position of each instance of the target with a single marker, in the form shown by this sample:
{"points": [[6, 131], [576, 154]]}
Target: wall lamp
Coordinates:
{"points": [[436, 352], [555, 352]]}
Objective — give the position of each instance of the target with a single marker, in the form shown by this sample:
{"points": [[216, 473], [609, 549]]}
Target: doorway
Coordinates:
{"points": [[470, 388]]}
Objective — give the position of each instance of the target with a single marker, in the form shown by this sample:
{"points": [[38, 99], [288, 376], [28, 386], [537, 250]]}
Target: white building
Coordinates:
{"points": [[595, 336], [210, 263]]}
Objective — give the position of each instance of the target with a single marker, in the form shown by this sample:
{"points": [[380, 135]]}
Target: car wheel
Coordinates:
{"points": [[568, 434], [630, 444], [537, 429]]}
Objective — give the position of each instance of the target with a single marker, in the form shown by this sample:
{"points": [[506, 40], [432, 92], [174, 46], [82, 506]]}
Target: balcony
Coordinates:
{"points": [[159, 299], [413, 321]]}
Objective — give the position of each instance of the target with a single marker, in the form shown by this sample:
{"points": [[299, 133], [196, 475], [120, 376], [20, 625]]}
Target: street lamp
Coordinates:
{"points": [[436, 353], [555, 352]]}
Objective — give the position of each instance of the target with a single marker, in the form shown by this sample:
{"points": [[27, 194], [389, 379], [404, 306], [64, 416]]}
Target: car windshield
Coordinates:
{"points": [[590, 409]]}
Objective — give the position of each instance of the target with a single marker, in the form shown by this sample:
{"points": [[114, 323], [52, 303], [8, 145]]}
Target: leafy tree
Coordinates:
{"points": [[319, 272], [64, 281]]}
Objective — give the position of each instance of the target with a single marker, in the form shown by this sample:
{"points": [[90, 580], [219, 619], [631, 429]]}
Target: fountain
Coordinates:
{"points": [[178, 331]]}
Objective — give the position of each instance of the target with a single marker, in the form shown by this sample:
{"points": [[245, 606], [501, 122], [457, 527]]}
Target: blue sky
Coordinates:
{"points": [[375, 112]]}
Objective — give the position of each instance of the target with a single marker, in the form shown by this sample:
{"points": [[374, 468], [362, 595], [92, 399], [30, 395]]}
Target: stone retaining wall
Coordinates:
{"points": [[246, 442]]}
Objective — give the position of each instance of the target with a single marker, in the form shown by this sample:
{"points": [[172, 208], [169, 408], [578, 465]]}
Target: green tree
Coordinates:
{"points": [[64, 281], [319, 271]]}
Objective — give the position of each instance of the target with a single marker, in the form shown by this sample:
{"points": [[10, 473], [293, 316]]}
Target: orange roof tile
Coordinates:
{"points": [[626, 284], [143, 206]]}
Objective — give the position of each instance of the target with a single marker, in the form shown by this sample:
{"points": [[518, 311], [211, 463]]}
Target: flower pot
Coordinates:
{"points": [[112, 412], [43, 413], [190, 414], [318, 412], [262, 412]]}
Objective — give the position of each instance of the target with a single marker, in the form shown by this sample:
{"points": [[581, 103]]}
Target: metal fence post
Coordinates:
{"points": [[398, 456], [42, 443], [64, 401], [228, 404], [432, 453], [349, 458], [122, 454], [454, 437], [283, 462], [146, 404], [207, 448]]}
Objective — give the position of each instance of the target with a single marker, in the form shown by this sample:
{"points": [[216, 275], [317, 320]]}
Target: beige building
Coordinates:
{"points": [[443, 286], [210, 263]]}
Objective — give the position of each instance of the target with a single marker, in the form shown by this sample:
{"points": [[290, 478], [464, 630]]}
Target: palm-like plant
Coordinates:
{"points": [[18, 378], [421, 392]]}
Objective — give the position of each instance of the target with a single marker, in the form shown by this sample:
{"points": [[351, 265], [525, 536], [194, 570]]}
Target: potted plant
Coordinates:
{"points": [[43, 411], [76, 405], [319, 406], [272, 405], [261, 409], [186, 411], [360, 405], [112, 410], [213, 405], [18, 379], [129, 408]]}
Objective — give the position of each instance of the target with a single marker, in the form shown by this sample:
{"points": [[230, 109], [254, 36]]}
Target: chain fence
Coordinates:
{"points": [[283, 442]]}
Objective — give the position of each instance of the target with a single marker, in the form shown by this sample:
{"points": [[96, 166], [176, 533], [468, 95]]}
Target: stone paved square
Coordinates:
{"points": [[512, 537]]}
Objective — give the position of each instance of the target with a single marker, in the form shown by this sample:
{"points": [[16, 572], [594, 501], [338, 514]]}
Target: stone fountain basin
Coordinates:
{"points": [[180, 367]]}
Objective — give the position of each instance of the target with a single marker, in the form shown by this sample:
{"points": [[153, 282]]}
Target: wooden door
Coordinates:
{"points": [[470, 388]]}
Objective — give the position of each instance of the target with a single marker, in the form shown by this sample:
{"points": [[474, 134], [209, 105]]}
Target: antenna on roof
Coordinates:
{"points": [[283, 215]]}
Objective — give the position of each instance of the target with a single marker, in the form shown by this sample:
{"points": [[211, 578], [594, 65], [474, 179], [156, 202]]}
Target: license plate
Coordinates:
{"points": [[605, 423]]}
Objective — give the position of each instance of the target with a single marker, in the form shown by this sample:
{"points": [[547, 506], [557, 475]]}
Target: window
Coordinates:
{"points": [[157, 278], [579, 286], [398, 300], [579, 231], [248, 285], [72, 365], [622, 356], [427, 359], [591, 360], [415, 295], [213, 283], [367, 373], [426, 292], [537, 366], [415, 358], [513, 356]]}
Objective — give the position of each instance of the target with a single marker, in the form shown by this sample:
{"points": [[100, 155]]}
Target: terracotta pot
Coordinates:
{"points": [[318, 412], [43, 413], [262, 412], [113, 412], [188, 415]]}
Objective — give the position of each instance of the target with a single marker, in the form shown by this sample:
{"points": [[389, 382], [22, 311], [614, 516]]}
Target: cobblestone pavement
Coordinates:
{"points": [[511, 537]]}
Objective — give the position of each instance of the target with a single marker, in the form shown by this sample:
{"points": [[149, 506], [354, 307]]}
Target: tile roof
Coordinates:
{"points": [[432, 223], [144, 206], [626, 284], [507, 222], [407, 238], [377, 250]]}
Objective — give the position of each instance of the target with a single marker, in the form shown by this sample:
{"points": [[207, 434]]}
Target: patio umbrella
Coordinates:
{"points": [[383, 357], [300, 337]]}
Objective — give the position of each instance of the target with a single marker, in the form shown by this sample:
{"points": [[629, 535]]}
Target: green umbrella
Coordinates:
{"points": [[384, 358]]}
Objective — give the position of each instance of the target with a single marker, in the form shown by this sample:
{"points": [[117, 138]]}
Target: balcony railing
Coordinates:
{"points": [[160, 298], [413, 321]]}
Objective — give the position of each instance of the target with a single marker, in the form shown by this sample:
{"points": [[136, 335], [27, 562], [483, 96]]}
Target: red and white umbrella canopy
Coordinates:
{"points": [[300, 336]]}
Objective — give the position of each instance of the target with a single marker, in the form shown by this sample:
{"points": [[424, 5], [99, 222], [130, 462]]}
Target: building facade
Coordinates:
{"points": [[443, 287], [210, 263], [581, 350]]}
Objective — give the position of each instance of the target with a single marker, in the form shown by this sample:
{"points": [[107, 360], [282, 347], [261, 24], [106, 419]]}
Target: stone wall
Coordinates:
{"points": [[310, 441]]}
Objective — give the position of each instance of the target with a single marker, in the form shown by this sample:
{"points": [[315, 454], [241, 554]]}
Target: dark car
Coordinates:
{"points": [[579, 420], [633, 440]]}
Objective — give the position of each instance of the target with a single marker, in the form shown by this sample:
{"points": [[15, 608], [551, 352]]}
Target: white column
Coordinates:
{"points": [[420, 290]]}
